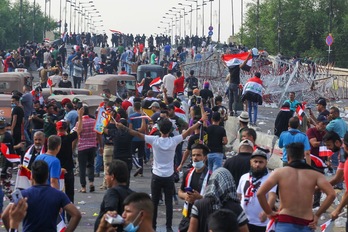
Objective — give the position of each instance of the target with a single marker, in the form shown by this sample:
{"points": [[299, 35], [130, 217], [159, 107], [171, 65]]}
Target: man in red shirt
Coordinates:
{"points": [[179, 84]]}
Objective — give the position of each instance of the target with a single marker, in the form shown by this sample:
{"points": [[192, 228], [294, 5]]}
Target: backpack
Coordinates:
{"points": [[193, 83]]}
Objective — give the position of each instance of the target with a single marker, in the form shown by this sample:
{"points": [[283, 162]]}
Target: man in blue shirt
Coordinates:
{"points": [[292, 101], [337, 124], [44, 204], [135, 124], [53, 147], [293, 135]]}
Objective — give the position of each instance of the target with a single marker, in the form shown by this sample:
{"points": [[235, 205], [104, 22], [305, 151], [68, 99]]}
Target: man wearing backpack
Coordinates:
{"points": [[191, 83], [117, 179]]}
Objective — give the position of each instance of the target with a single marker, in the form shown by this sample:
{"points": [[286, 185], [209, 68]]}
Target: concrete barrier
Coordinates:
{"points": [[263, 139]]}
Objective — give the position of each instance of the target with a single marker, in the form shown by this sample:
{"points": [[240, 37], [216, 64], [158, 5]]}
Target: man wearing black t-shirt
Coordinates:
{"points": [[216, 140], [234, 81], [65, 156], [240, 164], [122, 143], [194, 182], [65, 83], [17, 116]]}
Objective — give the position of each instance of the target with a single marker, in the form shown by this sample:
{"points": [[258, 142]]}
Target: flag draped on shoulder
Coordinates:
{"points": [[13, 158], [237, 59]]}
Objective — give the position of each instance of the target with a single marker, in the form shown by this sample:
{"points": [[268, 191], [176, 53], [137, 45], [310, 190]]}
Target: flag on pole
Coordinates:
{"points": [[23, 178], [61, 226], [300, 113], [237, 59], [324, 151], [327, 226], [13, 158]]}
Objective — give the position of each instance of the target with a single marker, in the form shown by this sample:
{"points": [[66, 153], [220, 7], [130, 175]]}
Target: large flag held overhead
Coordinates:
{"points": [[116, 31], [237, 59]]}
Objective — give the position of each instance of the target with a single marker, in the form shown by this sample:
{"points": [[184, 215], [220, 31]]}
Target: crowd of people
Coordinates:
{"points": [[56, 139]]}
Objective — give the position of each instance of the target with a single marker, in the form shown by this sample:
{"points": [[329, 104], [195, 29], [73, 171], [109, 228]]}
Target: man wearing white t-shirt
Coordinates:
{"points": [[249, 183], [168, 83], [163, 163]]}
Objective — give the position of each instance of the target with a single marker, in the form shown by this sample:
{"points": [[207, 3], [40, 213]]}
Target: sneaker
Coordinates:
{"points": [[138, 171]]}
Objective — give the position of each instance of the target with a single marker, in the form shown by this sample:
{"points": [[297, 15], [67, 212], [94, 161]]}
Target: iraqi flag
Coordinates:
{"points": [[23, 178], [300, 113], [156, 81], [61, 226], [180, 113], [49, 82], [324, 151], [327, 226], [271, 225], [62, 181], [116, 31], [13, 158], [140, 87], [318, 162], [238, 59]]}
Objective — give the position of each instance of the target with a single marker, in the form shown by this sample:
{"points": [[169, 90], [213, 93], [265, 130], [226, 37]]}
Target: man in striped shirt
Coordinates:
{"points": [[87, 146]]}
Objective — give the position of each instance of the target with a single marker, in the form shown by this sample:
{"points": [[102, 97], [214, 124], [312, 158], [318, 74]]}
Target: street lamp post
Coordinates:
{"points": [[34, 18], [232, 19], [257, 22], [219, 31], [179, 11], [20, 22], [196, 1], [241, 22], [190, 5]]}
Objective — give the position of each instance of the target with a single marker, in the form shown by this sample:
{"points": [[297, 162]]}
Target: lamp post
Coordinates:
{"points": [[241, 22], [219, 31], [34, 19], [257, 22], [196, 1], [172, 30], [189, 5], [176, 27], [177, 12], [180, 18], [203, 3], [279, 29], [232, 18], [20, 22]]}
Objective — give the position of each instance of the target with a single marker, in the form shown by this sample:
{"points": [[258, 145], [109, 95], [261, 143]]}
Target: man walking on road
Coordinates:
{"points": [[296, 183], [163, 163]]}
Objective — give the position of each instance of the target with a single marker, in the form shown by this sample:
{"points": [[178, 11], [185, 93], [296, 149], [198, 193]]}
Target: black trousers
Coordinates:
{"points": [[253, 228], [69, 182], [167, 185], [140, 145], [86, 161]]}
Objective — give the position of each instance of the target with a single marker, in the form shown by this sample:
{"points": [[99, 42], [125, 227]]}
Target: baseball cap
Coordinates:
{"points": [[65, 101], [322, 118], [61, 125], [243, 117], [321, 101], [261, 152], [246, 142], [154, 104], [76, 100]]}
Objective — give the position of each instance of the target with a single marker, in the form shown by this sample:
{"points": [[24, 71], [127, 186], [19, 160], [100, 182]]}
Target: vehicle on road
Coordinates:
{"points": [[117, 84], [155, 70], [10, 81]]}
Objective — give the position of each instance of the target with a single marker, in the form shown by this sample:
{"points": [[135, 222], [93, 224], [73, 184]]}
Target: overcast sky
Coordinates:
{"points": [[139, 16]]}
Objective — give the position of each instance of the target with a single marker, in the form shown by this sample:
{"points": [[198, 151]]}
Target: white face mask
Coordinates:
{"points": [[65, 81], [198, 165], [37, 147]]}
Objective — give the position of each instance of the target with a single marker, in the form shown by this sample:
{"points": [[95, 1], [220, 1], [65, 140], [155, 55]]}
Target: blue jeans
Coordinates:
{"points": [[288, 227], [251, 106], [233, 97], [214, 161]]}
